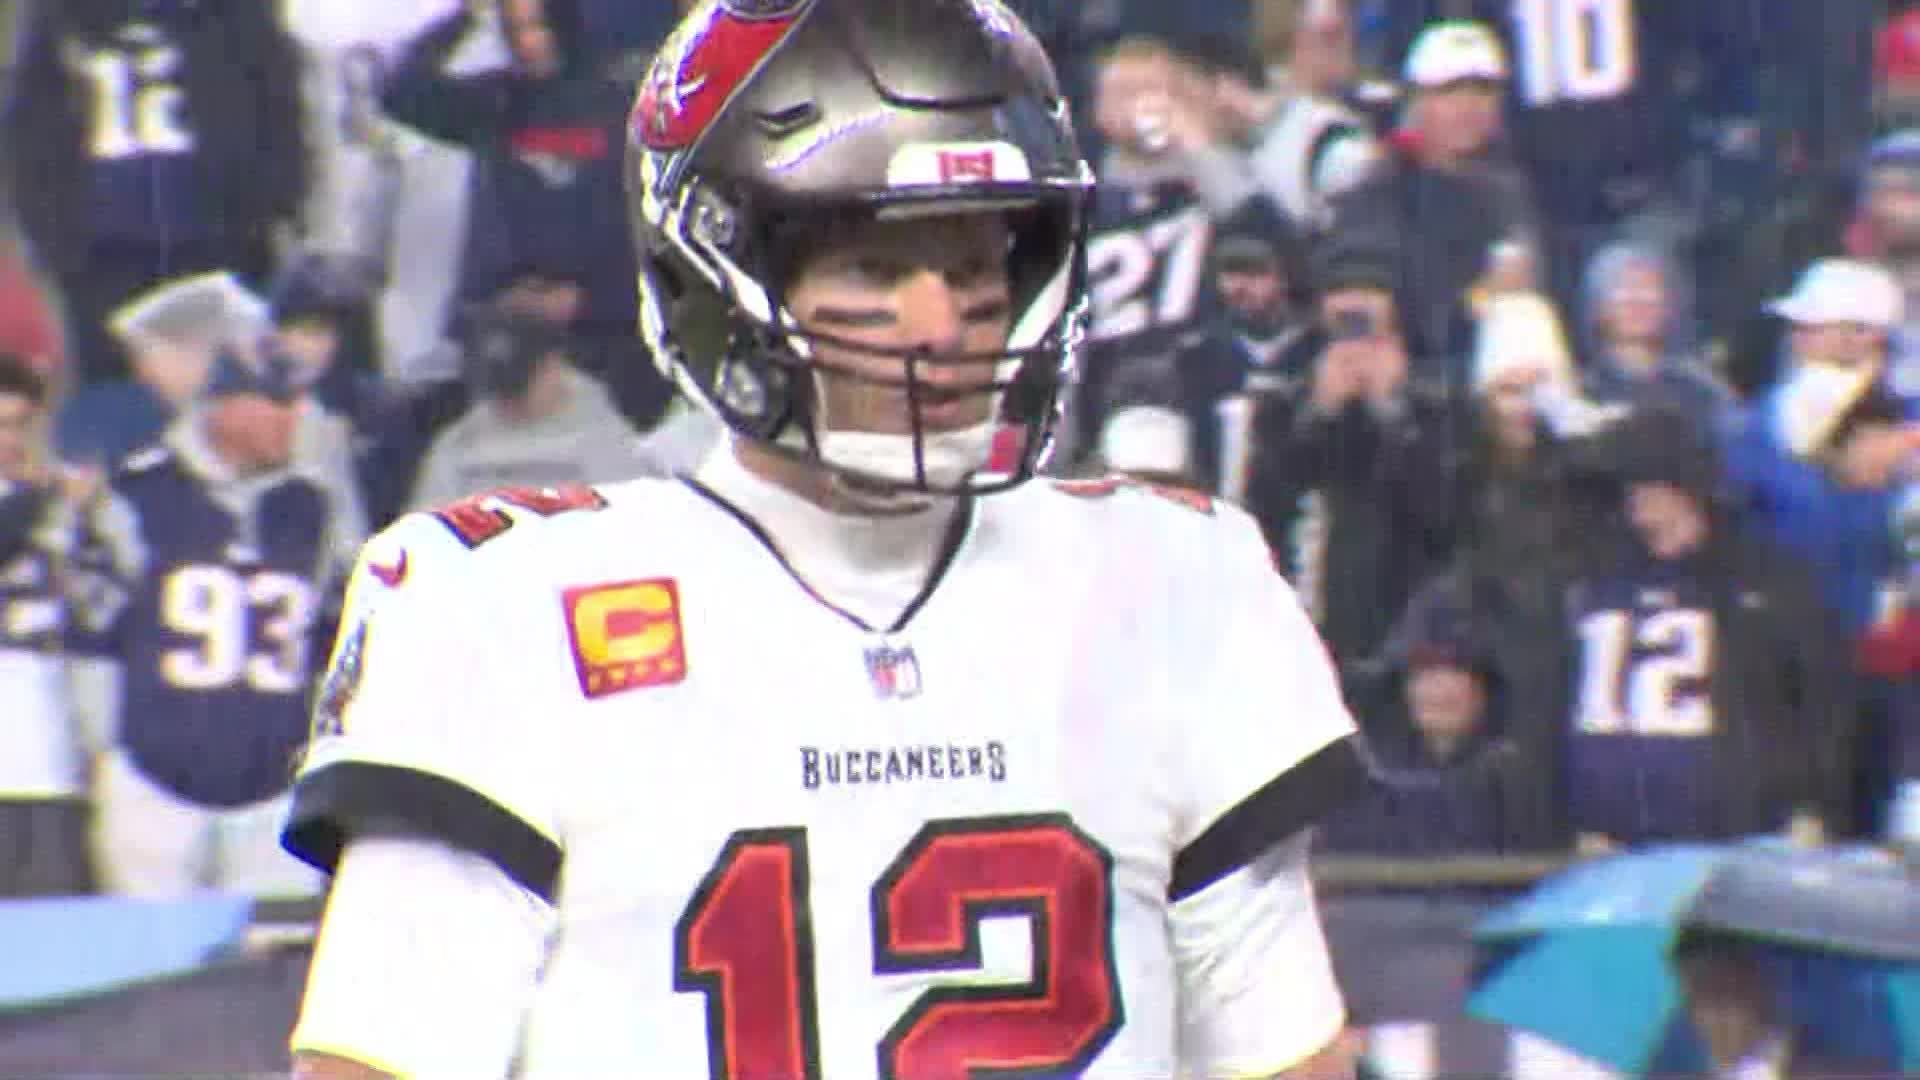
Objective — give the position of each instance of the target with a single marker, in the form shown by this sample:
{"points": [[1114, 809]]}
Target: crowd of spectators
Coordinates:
{"points": [[1559, 350], [1566, 351]]}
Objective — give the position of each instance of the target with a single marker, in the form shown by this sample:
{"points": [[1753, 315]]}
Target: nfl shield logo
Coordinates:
{"points": [[894, 671]]}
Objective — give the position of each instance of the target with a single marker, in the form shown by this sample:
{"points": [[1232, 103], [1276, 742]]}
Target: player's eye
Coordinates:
{"points": [[880, 268], [989, 310]]}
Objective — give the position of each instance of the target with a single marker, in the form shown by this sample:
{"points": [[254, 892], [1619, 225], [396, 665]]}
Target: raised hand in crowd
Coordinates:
{"points": [[1877, 455], [1340, 376]]}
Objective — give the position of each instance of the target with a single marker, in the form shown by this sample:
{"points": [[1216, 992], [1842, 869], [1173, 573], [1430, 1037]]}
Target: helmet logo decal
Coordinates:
{"points": [[963, 165], [978, 162], [702, 63]]}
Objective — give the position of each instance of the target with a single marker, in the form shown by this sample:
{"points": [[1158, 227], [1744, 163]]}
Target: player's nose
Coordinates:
{"points": [[930, 313]]}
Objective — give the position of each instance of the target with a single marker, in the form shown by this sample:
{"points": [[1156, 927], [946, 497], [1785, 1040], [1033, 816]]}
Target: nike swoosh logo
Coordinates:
{"points": [[390, 576]]}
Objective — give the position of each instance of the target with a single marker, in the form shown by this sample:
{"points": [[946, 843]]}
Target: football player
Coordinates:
{"points": [[858, 752]]}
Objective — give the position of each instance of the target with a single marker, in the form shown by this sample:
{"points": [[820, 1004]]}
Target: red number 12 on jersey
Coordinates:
{"points": [[745, 941]]}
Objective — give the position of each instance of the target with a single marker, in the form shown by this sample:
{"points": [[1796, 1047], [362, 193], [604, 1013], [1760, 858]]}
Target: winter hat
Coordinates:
{"points": [[1357, 260], [1666, 446], [274, 376], [311, 287], [1519, 331]]}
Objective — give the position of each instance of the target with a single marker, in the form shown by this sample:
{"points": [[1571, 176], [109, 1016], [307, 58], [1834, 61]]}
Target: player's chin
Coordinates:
{"points": [[958, 414], [930, 415]]}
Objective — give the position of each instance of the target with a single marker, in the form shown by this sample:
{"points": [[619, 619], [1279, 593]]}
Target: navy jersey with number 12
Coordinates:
{"points": [[1643, 720]]}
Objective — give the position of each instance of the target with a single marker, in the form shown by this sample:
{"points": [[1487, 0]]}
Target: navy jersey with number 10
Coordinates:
{"points": [[1597, 115]]}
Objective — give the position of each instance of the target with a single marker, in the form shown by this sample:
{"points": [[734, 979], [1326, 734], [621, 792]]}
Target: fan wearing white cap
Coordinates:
{"points": [[1840, 314], [1842, 311], [1457, 72], [1461, 214]]}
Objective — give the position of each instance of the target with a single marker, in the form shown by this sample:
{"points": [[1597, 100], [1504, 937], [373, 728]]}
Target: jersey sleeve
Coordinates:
{"points": [[426, 964], [1267, 746], [1269, 751], [1258, 992], [422, 726]]}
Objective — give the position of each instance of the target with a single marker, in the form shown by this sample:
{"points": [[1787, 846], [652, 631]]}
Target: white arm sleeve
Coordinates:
{"points": [[426, 962], [1343, 165], [1259, 992]]}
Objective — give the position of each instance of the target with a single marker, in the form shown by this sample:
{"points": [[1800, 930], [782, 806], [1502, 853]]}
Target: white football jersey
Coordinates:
{"points": [[778, 844]]}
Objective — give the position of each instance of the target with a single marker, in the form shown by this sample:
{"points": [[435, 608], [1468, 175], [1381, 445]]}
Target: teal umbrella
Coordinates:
{"points": [[62, 949], [1583, 959]]}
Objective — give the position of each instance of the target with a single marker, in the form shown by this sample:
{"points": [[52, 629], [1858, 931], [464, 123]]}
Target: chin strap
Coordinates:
{"points": [[945, 458]]}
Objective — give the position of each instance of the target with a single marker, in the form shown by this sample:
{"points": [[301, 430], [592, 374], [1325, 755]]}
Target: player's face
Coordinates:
{"points": [[1637, 308], [17, 416], [936, 287]]}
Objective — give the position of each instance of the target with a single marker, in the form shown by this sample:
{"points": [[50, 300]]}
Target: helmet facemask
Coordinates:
{"points": [[714, 310]]}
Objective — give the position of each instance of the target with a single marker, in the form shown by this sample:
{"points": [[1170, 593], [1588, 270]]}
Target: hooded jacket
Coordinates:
{"points": [[1678, 379], [548, 196], [1777, 680]]}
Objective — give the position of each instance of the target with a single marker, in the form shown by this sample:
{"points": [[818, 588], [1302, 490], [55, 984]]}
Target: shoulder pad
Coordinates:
{"points": [[432, 544], [480, 519], [1105, 486]]}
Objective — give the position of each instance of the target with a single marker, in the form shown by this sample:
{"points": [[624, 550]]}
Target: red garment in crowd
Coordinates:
{"points": [[1892, 648], [28, 326]]}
